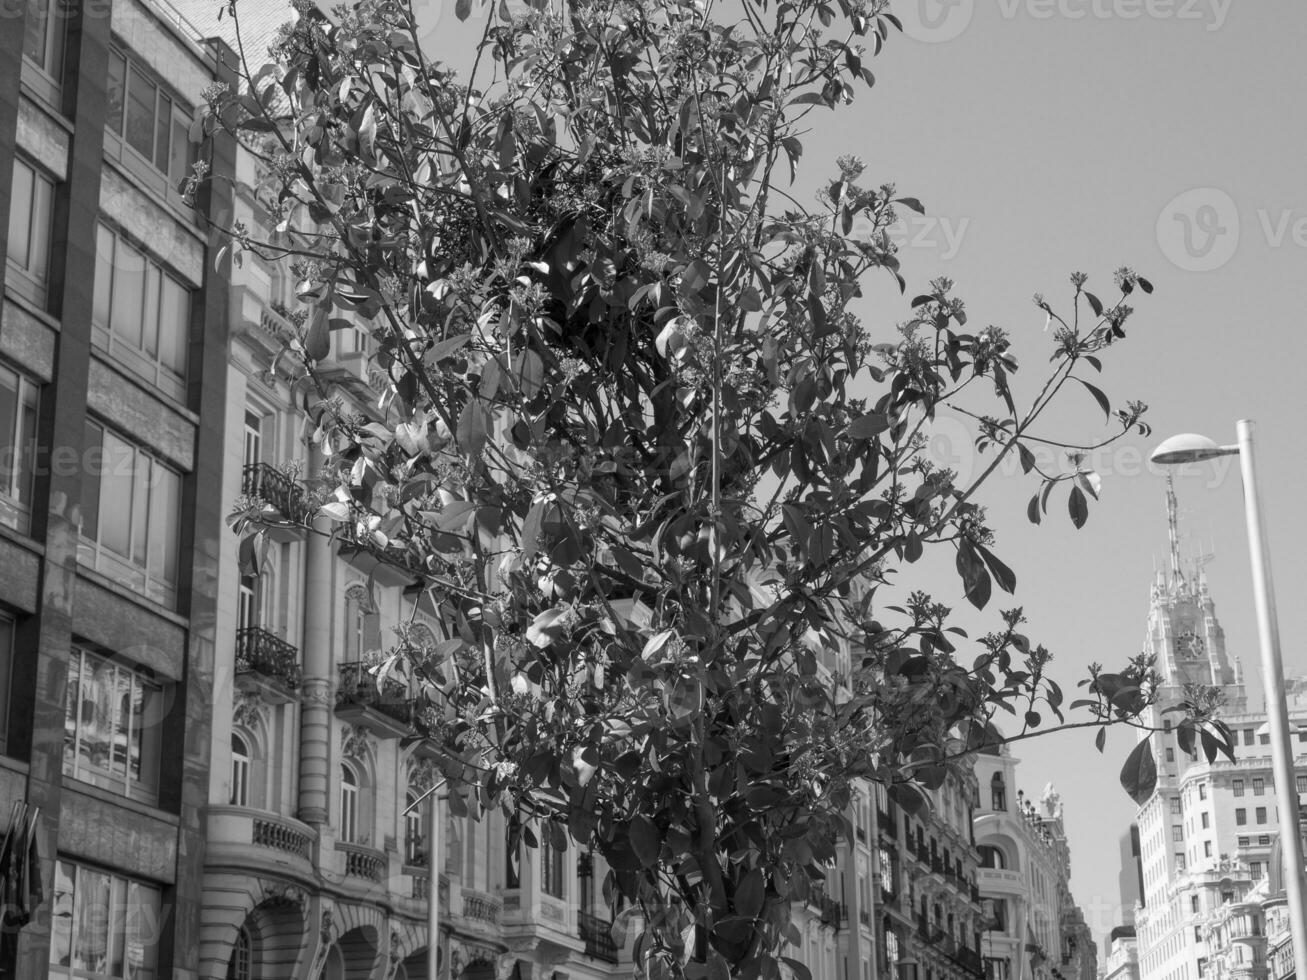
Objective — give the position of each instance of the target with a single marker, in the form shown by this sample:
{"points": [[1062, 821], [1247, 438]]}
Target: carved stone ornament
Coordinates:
{"points": [[247, 711], [354, 742], [421, 774], [285, 894]]}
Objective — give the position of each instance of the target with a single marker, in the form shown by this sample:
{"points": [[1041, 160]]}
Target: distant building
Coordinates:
{"points": [[1034, 930], [1207, 831]]}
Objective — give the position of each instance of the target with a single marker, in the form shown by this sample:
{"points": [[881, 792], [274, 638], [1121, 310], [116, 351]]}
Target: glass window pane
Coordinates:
{"points": [[38, 12], [104, 239], [20, 215], [150, 317], [149, 716], [144, 930], [124, 687], [10, 444], [128, 293], [96, 720], [165, 513], [163, 126], [141, 94], [174, 325], [38, 262], [141, 507], [72, 705], [116, 494], [180, 159], [61, 914], [116, 93], [117, 928], [25, 476], [91, 945], [92, 470]]}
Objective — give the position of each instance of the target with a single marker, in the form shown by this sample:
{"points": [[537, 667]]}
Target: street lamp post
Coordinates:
{"points": [[433, 876], [1192, 448]]}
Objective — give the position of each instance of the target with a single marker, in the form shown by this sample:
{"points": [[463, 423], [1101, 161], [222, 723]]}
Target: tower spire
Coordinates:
{"points": [[1177, 576]]}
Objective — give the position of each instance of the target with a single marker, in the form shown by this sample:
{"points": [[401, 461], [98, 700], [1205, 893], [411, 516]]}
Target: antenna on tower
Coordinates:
{"points": [[1172, 525]]}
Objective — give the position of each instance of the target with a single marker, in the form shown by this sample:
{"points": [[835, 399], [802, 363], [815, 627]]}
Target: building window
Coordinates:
{"points": [[101, 925], [1259, 786], [43, 36], [349, 804], [997, 792], [1240, 817], [1245, 841], [144, 117], [891, 954], [1207, 820], [238, 968], [1193, 903], [1170, 754], [551, 870], [1255, 869], [130, 515], [413, 822], [1202, 967], [1264, 840], [1264, 739], [1198, 934], [1207, 848], [1175, 804], [1249, 736], [1302, 784], [111, 726], [30, 213], [1202, 791], [18, 412], [240, 771], [362, 625], [1177, 833], [888, 880], [6, 674], [142, 314], [1179, 861], [1238, 787], [1261, 814]]}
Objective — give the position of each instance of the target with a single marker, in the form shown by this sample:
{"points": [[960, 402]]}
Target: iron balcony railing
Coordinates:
{"points": [[597, 935], [276, 488], [264, 653]]}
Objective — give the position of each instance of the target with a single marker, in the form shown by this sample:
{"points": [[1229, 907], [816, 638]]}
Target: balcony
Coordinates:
{"points": [[597, 935], [285, 510], [259, 840], [266, 665], [481, 907], [385, 709], [363, 862]]}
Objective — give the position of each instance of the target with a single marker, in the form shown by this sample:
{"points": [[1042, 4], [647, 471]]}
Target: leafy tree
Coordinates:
{"points": [[636, 443]]}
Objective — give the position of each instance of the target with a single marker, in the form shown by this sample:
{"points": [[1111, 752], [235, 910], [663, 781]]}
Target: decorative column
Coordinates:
{"points": [[318, 688]]}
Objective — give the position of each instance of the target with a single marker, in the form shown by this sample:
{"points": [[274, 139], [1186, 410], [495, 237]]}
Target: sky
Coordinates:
{"points": [[1050, 136]]}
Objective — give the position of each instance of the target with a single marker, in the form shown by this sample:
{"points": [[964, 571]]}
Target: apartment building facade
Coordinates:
{"points": [[112, 370], [1034, 930]]}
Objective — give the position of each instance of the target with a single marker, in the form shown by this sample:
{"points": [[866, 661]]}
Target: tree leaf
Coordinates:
{"points": [[1099, 397], [1139, 774], [645, 840], [751, 894], [868, 426], [1078, 506], [463, 9]]}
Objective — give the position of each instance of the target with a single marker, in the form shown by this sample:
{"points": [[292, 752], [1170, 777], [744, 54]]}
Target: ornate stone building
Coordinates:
{"points": [[1033, 928]]}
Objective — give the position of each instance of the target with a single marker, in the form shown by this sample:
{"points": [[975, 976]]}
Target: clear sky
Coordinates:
{"points": [[1047, 136]]}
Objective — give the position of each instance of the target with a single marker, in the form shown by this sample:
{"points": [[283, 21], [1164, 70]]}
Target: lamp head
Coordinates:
{"points": [[1188, 448]]}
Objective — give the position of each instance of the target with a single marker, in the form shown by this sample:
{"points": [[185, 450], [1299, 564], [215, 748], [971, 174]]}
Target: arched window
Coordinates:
{"points": [[349, 804], [238, 967], [997, 792], [240, 771], [414, 845], [991, 857]]}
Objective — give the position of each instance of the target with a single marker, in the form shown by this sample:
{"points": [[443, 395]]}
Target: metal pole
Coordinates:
{"points": [[1277, 711], [433, 887]]}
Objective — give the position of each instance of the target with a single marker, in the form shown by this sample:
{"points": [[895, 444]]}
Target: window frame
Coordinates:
{"points": [[156, 279], [144, 518], [348, 825], [241, 767], [20, 446], [54, 38], [70, 905], [150, 745], [31, 222], [167, 107]]}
